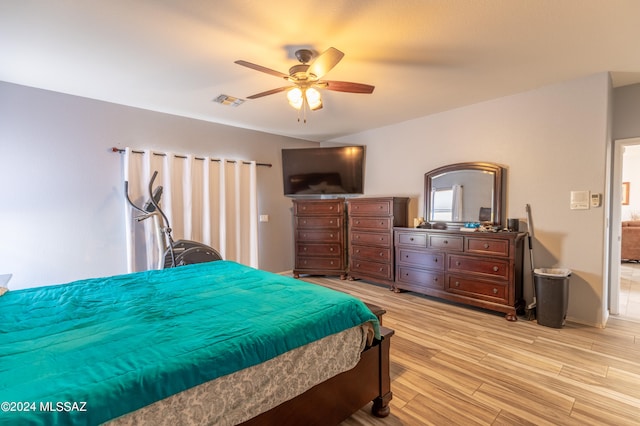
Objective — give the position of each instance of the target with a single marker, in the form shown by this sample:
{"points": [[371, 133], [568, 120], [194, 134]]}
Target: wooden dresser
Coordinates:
{"points": [[319, 236], [371, 222], [479, 269]]}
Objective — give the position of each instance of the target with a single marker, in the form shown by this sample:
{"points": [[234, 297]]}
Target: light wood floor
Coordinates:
{"points": [[453, 365], [630, 290]]}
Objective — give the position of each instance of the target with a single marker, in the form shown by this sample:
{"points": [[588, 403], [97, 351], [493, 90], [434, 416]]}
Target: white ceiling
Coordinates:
{"points": [[423, 56]]}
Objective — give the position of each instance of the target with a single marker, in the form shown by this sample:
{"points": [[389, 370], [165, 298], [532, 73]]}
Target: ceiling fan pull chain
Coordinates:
{"points": [[303, 111]]}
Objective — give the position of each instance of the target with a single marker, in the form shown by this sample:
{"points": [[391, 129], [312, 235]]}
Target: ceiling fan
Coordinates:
{"points": [[306, 78]]}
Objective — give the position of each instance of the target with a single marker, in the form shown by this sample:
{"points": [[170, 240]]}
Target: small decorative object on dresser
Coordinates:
{"points": [[371, 222], [319, 234]]}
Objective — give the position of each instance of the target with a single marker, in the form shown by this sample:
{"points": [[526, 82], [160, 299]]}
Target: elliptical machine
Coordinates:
{"points": [[172, 253]]}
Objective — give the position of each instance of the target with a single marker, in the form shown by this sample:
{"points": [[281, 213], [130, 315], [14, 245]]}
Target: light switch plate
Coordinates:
{"points": [[579, 200]]}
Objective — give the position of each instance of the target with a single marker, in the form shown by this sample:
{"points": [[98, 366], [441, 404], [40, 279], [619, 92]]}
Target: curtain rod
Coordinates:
{"points": [[114, 149]]}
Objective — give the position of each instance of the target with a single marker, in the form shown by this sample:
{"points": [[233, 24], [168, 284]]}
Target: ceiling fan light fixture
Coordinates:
{"points": [[294, 96], [306, 77], [313, 99], [297, 98]]}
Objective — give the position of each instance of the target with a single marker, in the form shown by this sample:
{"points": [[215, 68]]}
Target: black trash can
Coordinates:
{"points": [[552, 295]]}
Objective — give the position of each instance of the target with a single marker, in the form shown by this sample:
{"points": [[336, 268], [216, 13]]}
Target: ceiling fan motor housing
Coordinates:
{"points": [[299, 73], [304, 55]]}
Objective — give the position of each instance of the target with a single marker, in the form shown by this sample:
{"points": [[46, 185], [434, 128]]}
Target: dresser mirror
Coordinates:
{"points": [[464, 193]]}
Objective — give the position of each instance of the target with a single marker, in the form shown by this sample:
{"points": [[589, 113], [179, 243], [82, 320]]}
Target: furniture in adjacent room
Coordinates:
{"points": [[319, 237], [208, 343], [482, 269], [370, 234], [630, 240]]}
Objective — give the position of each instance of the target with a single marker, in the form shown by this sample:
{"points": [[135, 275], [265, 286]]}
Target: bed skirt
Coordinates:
{"points": [[237, 397]]}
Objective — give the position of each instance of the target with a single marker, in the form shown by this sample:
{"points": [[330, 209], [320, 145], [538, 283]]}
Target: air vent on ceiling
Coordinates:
{"points": [[228, 100]]}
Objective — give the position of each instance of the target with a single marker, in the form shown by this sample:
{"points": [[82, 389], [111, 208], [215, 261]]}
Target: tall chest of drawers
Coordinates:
{"points": [[479, 269], [319, 236], [370, 234]]}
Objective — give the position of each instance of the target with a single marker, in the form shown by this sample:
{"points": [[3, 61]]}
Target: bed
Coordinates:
{"points": [[212, 343]]}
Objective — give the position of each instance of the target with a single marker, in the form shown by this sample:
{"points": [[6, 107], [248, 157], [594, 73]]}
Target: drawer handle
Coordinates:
{"points": [[381, 238], [382, 223], [304, 235], [495, 291], [357, 265], [445, 242], [411, 239], [406, 256], [331, 235], [357, 250], [357, 222], [457, 284], [435, 279], [381, 270], [457, 263], [331, 249], [332, 262], [486, 246], [304, 249], [435, 259], [304, 222], [330, 207], [331, 221], [381, 254], [496, 269], [380, 207]]}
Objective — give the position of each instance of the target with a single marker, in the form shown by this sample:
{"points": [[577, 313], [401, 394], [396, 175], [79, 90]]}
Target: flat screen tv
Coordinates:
{"points": [[323, 171]]}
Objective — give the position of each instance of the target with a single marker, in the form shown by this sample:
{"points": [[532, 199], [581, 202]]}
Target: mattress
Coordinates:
{"points": [[93, 350]]}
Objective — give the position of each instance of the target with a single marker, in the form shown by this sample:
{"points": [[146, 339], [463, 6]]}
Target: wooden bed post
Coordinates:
{"points": [[380, 406]]}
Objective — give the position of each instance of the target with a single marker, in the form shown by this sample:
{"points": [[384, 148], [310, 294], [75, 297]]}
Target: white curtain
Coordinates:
{"points": [[456, 203], [211, 201]]}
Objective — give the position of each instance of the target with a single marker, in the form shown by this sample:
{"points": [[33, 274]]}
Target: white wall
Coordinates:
{"points": [[551, 140], [626, 110], [61, 197]]}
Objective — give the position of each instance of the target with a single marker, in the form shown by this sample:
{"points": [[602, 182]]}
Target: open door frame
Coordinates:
{"points": [[615, 222]]}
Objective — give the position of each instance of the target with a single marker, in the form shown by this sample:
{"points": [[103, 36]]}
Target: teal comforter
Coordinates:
{"points": [[92, 350]]}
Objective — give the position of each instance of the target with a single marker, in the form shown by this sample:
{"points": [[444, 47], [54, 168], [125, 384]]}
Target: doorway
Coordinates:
{"points": [[624, 288]]}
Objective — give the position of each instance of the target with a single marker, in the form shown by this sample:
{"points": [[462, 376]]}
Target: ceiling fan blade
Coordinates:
{"points": [[262, 69], [269, 92], [325, 62], [347, 86]]}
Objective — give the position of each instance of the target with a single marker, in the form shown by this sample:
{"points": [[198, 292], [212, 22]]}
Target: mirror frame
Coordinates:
{"points": [[498, 187]]}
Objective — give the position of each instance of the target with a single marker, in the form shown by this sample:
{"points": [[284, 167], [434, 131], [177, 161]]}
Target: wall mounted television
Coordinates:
{"points": [[330, 171]]}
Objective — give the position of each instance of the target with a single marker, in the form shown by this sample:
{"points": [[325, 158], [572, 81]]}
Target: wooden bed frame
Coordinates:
{"points": [[336, 399]]}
